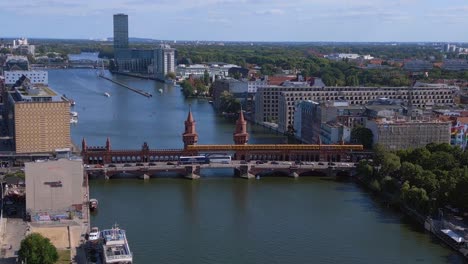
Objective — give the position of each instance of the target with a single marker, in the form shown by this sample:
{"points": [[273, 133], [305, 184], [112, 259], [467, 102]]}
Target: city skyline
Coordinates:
{"points": [[243, 20]]}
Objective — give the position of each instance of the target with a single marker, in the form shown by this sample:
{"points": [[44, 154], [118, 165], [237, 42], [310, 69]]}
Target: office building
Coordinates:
{"points": [[35, 77], [39, 118], [121, 48]]}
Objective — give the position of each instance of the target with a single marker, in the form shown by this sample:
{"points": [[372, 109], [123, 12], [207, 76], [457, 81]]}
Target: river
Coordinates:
{"points": [[220, 219]]}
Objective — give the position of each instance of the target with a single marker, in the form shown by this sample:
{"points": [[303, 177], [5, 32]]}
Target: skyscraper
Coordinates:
{"points": [[121, 36]]}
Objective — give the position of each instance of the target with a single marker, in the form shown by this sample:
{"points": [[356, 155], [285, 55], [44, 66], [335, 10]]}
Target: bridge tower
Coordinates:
{"points": [[83, 145], [241, 136], [108, 144], [190, 136]]}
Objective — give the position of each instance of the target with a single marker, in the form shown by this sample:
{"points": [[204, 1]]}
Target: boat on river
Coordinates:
{"points": [[94, 235], [115, 247], [107, 94], [93, 204]]}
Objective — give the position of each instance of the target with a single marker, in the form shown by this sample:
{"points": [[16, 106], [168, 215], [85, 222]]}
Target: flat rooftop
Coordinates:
{"points": [[40, 90], [54, 185]]}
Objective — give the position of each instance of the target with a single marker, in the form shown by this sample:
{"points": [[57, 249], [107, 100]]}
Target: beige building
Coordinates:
{"points": [[39, 119], [395, 134], [277, 103]]}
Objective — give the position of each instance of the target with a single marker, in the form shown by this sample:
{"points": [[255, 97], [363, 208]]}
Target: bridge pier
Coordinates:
{"points": [[244, 172], [107, 177], [294, 174], [192, 172], [145, 176]]}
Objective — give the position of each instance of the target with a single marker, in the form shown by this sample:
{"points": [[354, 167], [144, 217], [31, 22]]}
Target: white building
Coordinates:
{"points": [[198, 70], [164, 61], [252, 86], [35, 77]]}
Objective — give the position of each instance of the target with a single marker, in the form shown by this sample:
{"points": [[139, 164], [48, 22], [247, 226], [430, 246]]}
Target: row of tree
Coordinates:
{"points": [[423, 178]]}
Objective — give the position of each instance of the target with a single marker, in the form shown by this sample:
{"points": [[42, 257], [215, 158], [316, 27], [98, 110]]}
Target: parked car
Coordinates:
{"points": [[152, 164], [170, 163], [127, 165], [243, 162], [111, 166], [321, 163], [259, 162], [274, 162], [140, 164], [98, 166]]}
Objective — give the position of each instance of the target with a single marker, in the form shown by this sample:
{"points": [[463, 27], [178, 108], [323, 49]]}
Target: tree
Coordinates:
{"points": [[362, 135], [36, 249], [171, 75], [206, 77], [390, 164]]}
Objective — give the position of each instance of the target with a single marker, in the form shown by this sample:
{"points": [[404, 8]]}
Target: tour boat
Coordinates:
{"points": [[93, 204], [115, 248], [107, 94], [160, 90]]}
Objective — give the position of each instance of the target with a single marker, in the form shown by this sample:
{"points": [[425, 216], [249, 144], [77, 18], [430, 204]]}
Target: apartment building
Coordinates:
{"points": [[398, 133], [277, 103]]}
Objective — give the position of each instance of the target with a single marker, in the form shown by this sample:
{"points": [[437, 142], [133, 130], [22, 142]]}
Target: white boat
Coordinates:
{"points": [[74, 114], [115, 247], [107, 94], [160, 90], [94, 234], [73, 120]]}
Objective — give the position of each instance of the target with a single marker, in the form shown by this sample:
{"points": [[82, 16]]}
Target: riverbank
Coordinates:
{"points": [[430, 224]]}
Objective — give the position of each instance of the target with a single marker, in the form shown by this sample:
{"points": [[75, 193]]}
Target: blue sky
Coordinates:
{"points": [[244, 20]]}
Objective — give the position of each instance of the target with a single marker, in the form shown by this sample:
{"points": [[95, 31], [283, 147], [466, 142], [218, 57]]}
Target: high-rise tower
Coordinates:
{"points": [[120, 36], [241, 136], [190, 136]]}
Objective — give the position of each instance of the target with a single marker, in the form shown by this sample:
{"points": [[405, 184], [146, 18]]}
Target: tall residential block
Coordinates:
{"points": [[164, 61]]}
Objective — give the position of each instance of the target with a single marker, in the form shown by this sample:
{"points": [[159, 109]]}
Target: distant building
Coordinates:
{"points": [[417, 66], [54, 189], [398, 133], [198, 70], [164, 61], [455, 65], [39, 118], [238, 88], [35, 77], [334, 133], [309, 117], [16, 63]]}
